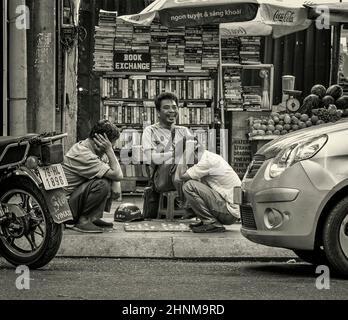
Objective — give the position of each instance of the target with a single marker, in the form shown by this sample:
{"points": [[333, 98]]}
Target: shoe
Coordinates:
{"points": [[87, 228], [207, 228], [196, 224], [103, 224]]}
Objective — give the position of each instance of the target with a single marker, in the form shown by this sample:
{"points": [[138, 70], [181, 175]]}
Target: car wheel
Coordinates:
{"points": [[316, 256], [335, 237]]}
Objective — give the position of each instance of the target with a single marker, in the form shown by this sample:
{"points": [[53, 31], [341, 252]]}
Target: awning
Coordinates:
{"points": [[335, 12], [176, 13], [274, 17]]}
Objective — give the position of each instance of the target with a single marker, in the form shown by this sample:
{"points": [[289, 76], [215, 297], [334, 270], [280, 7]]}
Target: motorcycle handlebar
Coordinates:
{"points": [[53, 138]]}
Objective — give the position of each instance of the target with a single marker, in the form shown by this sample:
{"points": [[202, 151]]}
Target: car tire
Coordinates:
{"points": [[316, 256], [335, 238]]}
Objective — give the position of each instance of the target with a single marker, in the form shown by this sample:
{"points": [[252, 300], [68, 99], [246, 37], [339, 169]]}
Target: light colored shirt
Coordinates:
{"points": [[82, 164], [159, 139], [216, 173]]}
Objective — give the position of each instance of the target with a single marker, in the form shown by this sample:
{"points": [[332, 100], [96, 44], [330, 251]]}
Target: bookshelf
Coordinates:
{"points": [[245, 86], [127, 99], [239, 94], [245, 82], [136, 63]]}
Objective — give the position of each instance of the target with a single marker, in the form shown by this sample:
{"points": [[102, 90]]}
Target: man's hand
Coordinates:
{"points": [[103, 143]]}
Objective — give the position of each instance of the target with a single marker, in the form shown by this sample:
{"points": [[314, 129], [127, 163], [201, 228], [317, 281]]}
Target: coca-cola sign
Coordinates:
{"points": [[284, 16]]}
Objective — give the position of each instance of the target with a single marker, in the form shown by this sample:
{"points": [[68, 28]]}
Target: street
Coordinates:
{"points": [[130, 279]]}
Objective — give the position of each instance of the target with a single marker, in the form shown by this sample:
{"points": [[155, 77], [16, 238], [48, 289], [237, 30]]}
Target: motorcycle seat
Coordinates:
{"points": [[5, 141]]}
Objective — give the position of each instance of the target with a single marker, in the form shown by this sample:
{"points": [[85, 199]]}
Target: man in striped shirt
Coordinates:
{"points": [[208, 189]]}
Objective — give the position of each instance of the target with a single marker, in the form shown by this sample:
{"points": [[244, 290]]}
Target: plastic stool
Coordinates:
{"points": [[167, 206]]}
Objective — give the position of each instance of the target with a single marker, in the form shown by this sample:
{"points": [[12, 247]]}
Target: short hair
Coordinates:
{"points": [[165, 96], [105, 126]]}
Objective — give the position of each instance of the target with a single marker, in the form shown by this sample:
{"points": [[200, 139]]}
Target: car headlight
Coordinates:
{"points": [[299, 151]]}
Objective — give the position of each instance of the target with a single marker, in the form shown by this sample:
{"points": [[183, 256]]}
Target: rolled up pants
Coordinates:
{"points": [[207, 204], [91, 199]]}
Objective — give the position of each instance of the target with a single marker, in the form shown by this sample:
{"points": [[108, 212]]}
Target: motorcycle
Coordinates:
{"points": [[33, 204]]}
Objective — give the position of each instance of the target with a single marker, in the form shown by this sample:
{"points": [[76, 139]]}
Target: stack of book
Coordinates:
{"points": [[230, 50], [129, 113], [233, 88], [200, 88], [252, 98], [193, 49], [158, 48], [176, 85], [124, 37], [141, 39], [104, 35], [195, 114], [250, 50], [210, 55], [176, 49]]}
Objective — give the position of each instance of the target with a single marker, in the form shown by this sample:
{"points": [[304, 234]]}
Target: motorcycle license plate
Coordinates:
{"points": [[53, 177]]}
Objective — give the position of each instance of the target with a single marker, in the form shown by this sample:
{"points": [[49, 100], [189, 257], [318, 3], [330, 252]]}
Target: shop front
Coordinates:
{"points": [[230, 77]]}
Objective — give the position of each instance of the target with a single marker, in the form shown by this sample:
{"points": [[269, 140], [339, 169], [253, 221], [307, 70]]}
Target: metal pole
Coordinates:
{"points": [[18, 71], [335, 54], [221, 101], [44, 70], [5, 69]]}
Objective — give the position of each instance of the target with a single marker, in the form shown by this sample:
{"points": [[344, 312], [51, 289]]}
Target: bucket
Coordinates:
{"points": [[288, 83]]}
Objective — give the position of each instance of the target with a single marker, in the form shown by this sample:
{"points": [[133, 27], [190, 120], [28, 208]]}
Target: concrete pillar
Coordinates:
{"points": [[44, 68], [18, 67]]}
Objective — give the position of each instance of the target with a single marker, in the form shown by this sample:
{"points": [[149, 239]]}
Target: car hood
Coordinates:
{"points": [[271, 149]]}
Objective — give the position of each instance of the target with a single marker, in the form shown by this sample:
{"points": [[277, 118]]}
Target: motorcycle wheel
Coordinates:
{"points": [[19, 241]]}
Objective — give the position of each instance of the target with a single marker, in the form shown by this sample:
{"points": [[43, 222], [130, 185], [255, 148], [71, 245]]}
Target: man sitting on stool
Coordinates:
{"points": [[208, 188]]}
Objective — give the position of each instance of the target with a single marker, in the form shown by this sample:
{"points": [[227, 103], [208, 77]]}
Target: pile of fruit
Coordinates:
{"points": [[321, 106], [280, 124], [322, 98]]}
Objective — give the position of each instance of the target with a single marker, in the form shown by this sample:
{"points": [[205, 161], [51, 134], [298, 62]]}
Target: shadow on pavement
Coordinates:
{"points": [[285, 269]]}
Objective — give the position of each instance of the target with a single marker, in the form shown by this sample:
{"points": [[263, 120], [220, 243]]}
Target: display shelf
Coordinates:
{"points": [[130, 113], [182, 61], [111, 98], [111, 74], [247, 66], [235, 92]]}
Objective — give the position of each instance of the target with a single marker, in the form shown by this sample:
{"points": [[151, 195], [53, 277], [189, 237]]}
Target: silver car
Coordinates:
{"points": [[295, 195]]}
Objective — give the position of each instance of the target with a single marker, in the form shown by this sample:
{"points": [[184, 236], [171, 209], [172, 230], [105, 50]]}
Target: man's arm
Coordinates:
{"points": [[115, 172], [159, 157]]}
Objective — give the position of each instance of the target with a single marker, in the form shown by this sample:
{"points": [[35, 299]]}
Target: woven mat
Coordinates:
{"points": [[156, 226]]}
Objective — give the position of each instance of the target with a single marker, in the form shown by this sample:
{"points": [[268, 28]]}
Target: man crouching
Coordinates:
{"points": [[91, 167], [207, 183]]}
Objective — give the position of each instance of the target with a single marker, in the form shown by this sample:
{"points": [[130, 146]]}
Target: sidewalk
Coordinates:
{"points": [[163, 239]]}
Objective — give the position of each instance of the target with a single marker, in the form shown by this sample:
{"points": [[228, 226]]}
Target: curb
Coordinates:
{"points": [[167, 245]]}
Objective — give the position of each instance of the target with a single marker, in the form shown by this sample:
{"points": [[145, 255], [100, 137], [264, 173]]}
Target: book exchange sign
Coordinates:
{"points": [[136, 62]]}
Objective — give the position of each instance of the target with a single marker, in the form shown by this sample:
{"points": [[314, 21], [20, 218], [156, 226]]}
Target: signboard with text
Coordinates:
{"points": [[240, 146], [132, 62]]}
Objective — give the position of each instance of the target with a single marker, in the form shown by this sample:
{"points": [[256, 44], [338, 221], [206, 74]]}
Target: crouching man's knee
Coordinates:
{"points": [[102, 187], [189, 187]]}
